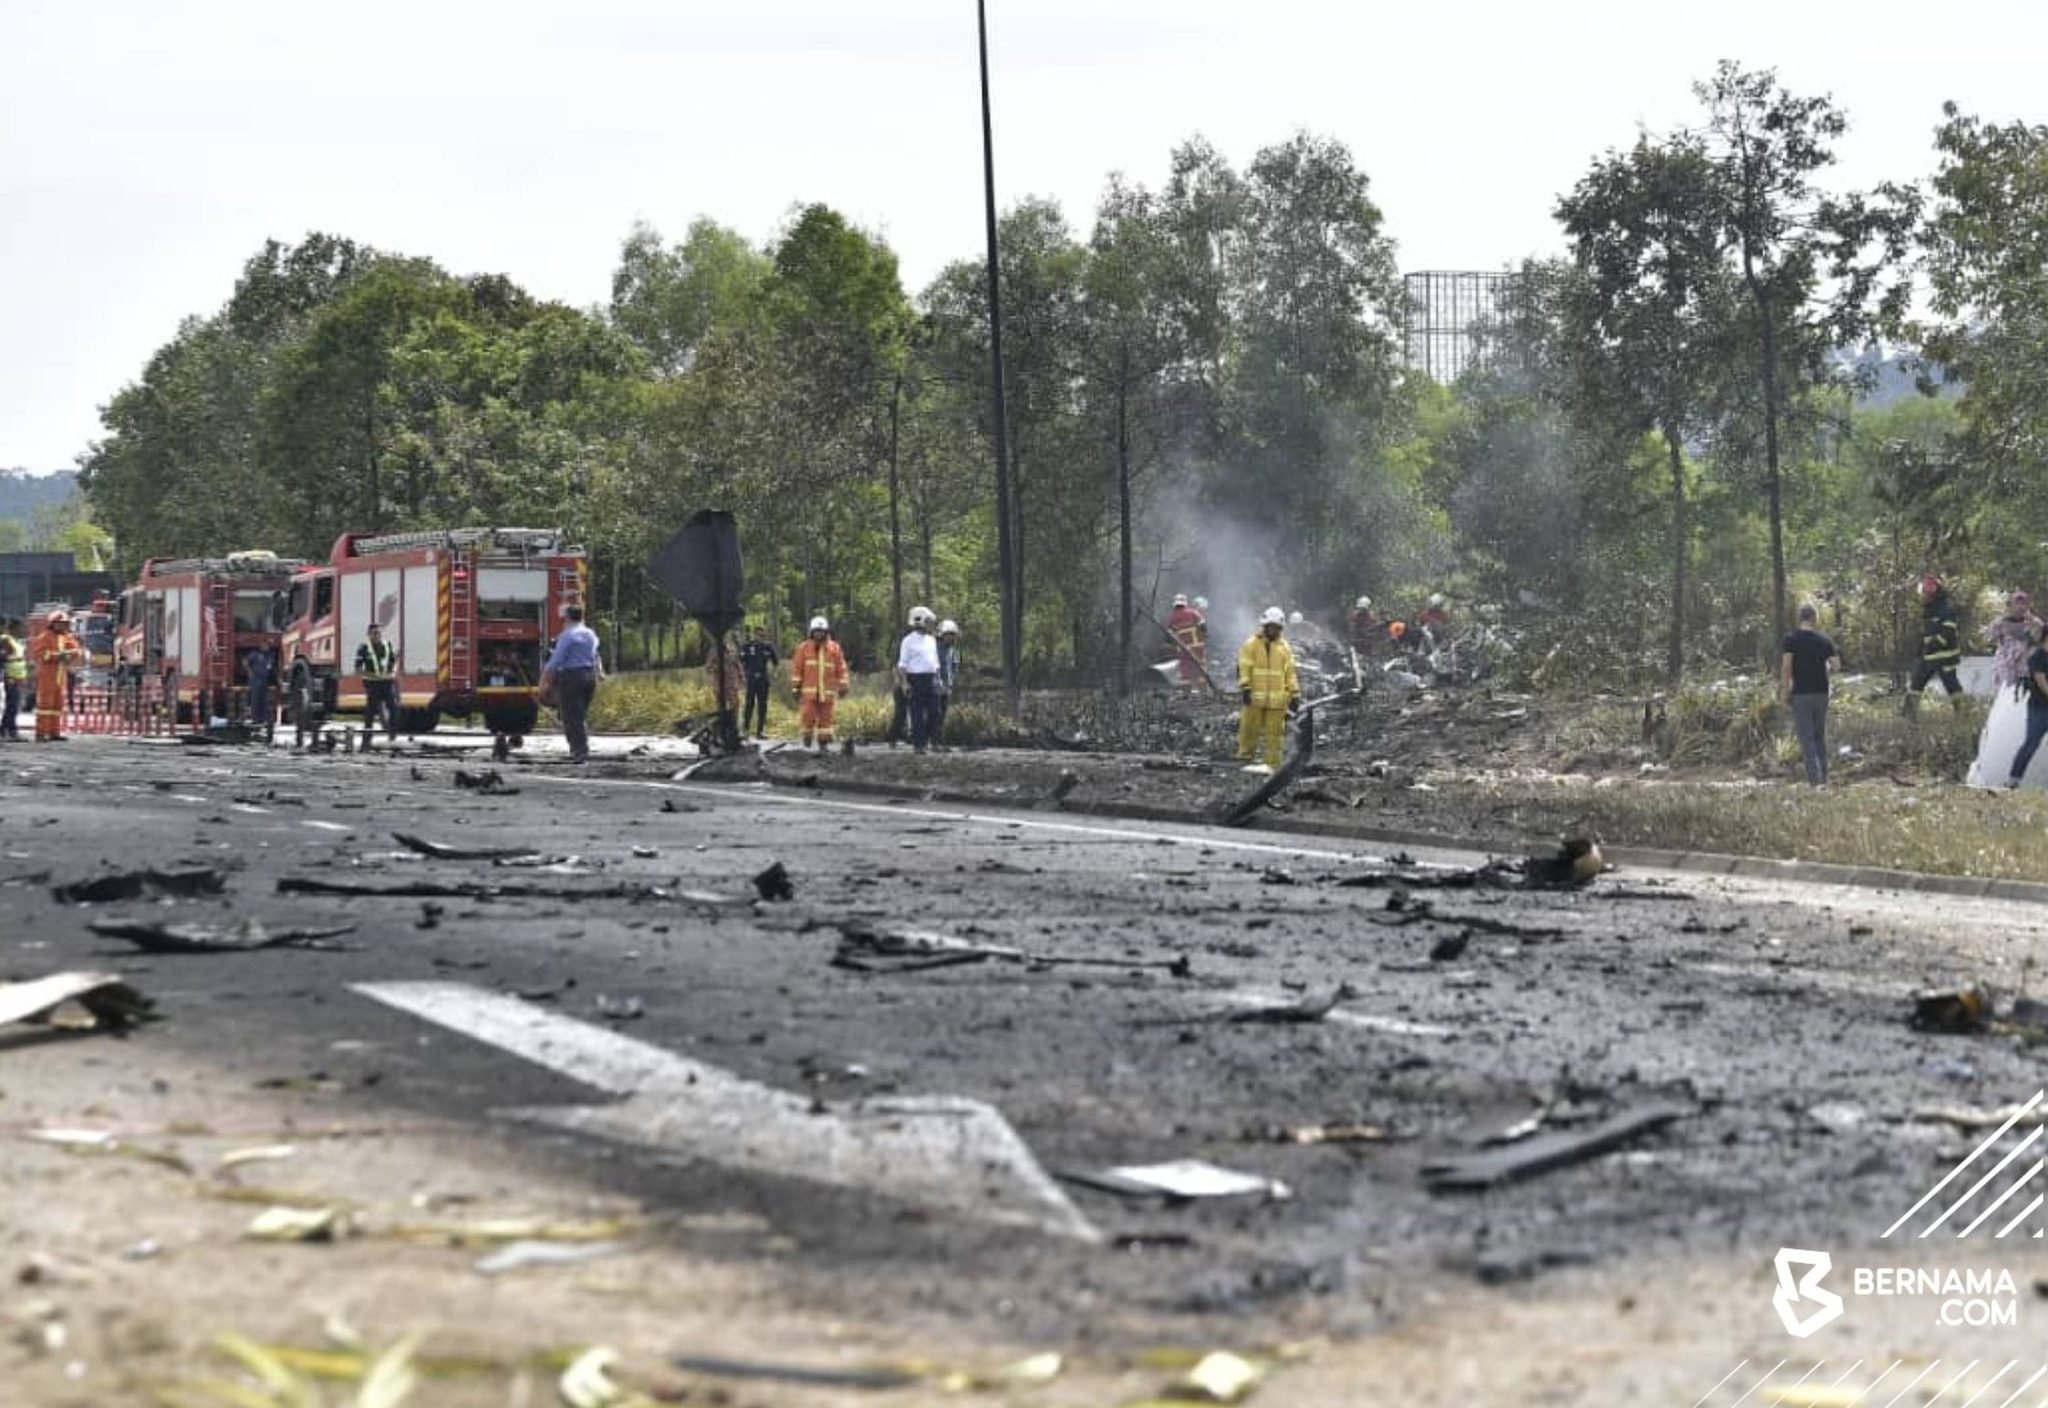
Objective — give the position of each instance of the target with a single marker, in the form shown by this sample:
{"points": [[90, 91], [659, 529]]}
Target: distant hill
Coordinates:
{"points": [[22, 493]]}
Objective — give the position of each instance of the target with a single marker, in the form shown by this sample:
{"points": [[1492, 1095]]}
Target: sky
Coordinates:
{"points": [[148, 148]]}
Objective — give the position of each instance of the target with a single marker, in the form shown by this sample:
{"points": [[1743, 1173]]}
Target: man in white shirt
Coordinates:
{"points": [[917, 672]]}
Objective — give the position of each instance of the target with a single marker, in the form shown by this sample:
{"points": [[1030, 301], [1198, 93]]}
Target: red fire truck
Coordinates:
{"points": [[470, 611], [193, 623]]}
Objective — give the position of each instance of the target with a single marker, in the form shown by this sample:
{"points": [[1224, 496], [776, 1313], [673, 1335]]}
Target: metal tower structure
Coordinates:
{"points": [[1450, 311]]}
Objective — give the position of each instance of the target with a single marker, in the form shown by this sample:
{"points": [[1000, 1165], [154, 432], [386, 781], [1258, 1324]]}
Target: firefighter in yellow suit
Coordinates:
{"points": [[57, 654], [1267, 685]]}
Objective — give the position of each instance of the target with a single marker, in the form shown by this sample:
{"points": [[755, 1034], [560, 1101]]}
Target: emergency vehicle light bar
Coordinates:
{"points": [[518, 539], [243, 564]]}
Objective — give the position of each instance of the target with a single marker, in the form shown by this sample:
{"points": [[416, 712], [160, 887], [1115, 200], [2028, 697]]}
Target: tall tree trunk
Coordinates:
{"points": [[1123, 534], [924, 530], [1674, 653], [1018, 596], [1774, 485], [1773, 491], [895, 510]]}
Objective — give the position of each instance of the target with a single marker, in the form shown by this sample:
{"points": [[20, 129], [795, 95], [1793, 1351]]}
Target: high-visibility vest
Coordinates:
{"points": [[1266, 668], [1941, 639], [17, 658], [383, 658]]}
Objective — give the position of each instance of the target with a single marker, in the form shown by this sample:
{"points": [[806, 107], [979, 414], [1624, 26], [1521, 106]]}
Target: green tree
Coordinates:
{"points": [[1313, 362], [669, 298], [1821, 271], [1986, 244], [1645, 315]]}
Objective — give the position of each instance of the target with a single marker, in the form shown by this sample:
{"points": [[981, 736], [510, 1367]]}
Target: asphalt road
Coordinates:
{"points": [[914, 1130]]}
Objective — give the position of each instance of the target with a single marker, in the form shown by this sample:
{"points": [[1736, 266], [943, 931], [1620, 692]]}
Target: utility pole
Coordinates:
{"points": [[1006, 561]]}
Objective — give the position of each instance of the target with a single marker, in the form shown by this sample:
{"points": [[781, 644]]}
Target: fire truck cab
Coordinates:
{"points": [[194, 622], [471, 613]]}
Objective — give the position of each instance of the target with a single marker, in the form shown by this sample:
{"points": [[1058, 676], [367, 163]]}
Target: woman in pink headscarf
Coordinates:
{"points": [[2013, 636]]}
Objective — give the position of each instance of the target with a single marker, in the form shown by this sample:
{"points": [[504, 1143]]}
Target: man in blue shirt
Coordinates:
{"points": [[573, 670]]}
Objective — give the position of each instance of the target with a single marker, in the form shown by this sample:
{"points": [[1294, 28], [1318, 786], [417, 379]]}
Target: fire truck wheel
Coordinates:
{"points": [[413, 720], [516, 719]]}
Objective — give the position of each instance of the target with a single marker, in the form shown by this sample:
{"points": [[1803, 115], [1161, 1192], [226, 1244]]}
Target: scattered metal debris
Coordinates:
{"points": [[864, 948], [1402, 911], [1450, 947], [1576, 862], [1543, 1152], [873, 1378], [1308, 1011], [286, 1224], [1343, 1133], [1220, 1377], [620, 1009], [515, 1256], [245, 936], [1182, 1180], [1964, 1009], [477, 890], [1290, 769], [2033, 1112], [437, 851], [774, 884], [488, 783], [189, 883], [110, 1002]]}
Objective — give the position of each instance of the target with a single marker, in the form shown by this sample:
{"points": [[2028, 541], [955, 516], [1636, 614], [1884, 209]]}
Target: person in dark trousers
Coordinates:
{"points": [[572, 674], [949, 680], [917, 675], [758, 661], [1805, 660], [1941, 643], [14, 662], [260, 671], [377, 663], [2037, 712]]}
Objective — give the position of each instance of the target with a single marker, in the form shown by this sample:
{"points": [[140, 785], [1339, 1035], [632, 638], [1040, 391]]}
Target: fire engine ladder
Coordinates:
{"points": [[461, 571], [217, 633], [570, 582]]}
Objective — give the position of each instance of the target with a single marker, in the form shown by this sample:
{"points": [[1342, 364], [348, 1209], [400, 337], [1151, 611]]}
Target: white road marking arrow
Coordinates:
{"points": [[938, 1151]]}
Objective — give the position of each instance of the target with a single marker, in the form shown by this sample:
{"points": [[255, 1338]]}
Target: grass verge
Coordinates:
{"points": [[652, 702], [1939, 829]]}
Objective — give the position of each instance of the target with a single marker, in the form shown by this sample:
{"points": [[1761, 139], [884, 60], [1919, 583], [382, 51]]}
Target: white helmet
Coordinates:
{"points": [[1272, 616], [1295, 619], [1201, 603], [921, 616], [819, 623], [1436, 598], [1364, 603], [949, 628], [1180, 598]]}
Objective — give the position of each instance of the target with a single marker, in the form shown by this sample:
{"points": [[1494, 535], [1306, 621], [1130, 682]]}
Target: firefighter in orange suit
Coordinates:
{"points": [[818, 675], [56, 655], [1269, 690], [1190, 632]]}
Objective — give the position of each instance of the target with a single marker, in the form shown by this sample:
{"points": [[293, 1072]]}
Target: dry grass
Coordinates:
{"points": [[1941, 829], [653, 701], [1743, 727]]}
